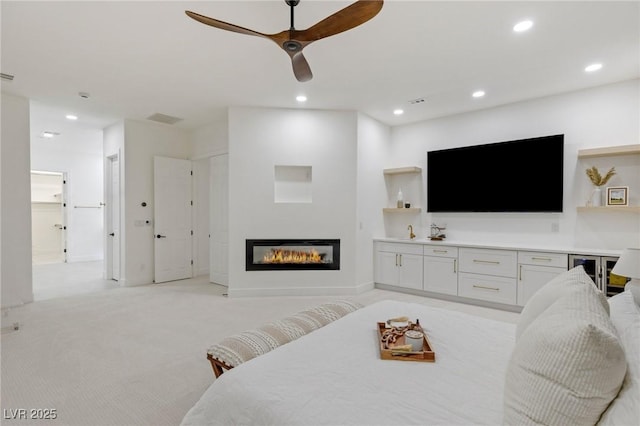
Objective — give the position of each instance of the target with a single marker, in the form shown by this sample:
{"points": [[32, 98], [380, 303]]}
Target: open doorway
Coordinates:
{"points": [[48, 214]]}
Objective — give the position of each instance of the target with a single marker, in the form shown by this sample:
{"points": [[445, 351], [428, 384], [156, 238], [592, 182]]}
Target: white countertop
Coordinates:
{"points": [[506, 246]]}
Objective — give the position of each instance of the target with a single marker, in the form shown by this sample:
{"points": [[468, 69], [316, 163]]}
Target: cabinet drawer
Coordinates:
{"points": [[489, 288], [400, 248], [558, 260], [441, 251], [501, 263]]}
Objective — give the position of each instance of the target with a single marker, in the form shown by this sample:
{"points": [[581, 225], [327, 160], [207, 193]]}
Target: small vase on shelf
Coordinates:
{"points": [[596, 197]]}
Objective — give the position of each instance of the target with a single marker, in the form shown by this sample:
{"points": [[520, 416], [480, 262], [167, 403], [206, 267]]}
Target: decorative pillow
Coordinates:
{"points": [[564, 283], [634, 288], [625, 315], [568, 364]]}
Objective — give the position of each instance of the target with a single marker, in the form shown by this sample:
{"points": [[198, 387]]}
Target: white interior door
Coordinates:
{"points": [[219, 216], [172, 219], [113, 220]]}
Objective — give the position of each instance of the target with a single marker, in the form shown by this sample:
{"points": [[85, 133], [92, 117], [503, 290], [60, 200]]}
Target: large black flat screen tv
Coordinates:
{"points": [[516, 176]]}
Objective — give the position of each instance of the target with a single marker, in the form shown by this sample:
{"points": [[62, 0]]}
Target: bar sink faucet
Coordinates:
{"points": [[411, 234]]}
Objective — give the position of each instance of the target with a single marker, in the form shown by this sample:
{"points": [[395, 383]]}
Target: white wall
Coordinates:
{"points": [[209, 140], [206, 142], [373, 151], [604, 116], [15, 203], [78, 153], [260, 139], [143, 141]]}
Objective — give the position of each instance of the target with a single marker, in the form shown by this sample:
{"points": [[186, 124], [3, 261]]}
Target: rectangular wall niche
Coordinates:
{"points": [[292, 184], [278, 255]]}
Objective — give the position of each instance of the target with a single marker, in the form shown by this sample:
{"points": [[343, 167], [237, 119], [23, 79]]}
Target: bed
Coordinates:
{"points": [[485, 371]]}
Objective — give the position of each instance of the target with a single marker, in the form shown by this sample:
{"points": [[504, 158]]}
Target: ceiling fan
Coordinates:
{"points": [[294, 41]]}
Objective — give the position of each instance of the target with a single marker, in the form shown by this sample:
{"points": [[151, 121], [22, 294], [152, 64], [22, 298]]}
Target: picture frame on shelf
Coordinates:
{"points": [[617, 196]]}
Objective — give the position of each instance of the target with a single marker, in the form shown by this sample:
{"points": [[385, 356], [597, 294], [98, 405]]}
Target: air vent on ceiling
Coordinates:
{"points": [[7, 77], [416, 101], [163, 118]]}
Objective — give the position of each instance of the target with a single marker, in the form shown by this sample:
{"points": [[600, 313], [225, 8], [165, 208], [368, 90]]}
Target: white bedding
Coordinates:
{"points": [[334, 376]]}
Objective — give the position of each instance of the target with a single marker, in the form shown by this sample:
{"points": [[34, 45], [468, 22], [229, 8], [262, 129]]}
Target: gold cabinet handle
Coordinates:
{"points": [[486, 288], [543, 259], [455, 266], [520, 272], [493, 262], [441, 251]]}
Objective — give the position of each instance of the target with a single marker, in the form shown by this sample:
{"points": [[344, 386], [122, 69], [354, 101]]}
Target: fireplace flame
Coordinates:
{"points": [[292, 256]]}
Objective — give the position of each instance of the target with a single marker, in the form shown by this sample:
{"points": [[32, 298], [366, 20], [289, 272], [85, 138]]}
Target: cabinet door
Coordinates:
{"points": [[440, 275], [487, 287], [410, 271], [386, 268], [532, 278]]}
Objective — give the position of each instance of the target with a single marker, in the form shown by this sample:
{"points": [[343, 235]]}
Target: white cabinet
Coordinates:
{"points": [[440, 269], [399, 265], [536, 269], [488, 274]]}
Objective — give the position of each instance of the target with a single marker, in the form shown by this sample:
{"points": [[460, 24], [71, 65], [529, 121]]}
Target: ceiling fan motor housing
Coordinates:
{"points": [[292, 46]]}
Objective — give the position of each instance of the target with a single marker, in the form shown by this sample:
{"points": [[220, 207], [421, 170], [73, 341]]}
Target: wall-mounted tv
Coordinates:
{"points": [[514, 176]]}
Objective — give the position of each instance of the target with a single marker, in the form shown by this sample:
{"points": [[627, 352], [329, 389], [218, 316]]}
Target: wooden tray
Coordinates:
{"points": [[426, 355]]}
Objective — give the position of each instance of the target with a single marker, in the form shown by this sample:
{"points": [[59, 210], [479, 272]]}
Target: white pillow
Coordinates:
{"points": [[625, 315], [634, 287], [567, 366], [562, 284]]}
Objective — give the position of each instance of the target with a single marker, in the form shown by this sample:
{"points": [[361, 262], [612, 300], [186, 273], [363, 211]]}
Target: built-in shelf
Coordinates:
{"points": [[609, 208], [403, 210], [610, 151], [401, 170]]}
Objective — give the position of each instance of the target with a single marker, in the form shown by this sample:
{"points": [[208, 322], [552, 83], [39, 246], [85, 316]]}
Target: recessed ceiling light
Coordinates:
{"points": [[398, 112], [49, 135], [301, 98], [523, 26], [593, 67], [71, 117], [478, 94]]}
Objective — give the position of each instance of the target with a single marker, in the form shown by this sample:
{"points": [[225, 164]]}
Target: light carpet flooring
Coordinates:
{"points": [[59, 279], [137, 355]]}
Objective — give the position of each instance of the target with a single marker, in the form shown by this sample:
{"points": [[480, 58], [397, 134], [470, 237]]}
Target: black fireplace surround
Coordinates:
{"points": [[291, 255]]}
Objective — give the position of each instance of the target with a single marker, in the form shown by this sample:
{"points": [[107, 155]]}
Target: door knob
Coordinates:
{"points": [[112, 234], [161, 236]]}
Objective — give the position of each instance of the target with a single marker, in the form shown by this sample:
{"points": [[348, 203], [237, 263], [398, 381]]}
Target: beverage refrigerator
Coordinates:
{"points": [[599, 269]]}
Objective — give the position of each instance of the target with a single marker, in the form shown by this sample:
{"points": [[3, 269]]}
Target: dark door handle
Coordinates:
{"points": [[161, 236], [112, 234]]}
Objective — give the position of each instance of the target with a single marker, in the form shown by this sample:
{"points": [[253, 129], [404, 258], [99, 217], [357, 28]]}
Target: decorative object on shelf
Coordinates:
{"points": [[407, 205], [617, 196], [400, 203], [628, 265], [436, 232], [598, 180]]}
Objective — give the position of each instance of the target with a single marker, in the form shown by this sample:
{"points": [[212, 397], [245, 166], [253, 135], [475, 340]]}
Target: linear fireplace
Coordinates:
{"points": [[279, 255]]}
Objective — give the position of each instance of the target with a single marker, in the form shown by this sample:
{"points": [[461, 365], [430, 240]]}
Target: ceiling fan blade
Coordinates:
{"points": [[345, 19], [301, 68], [223, 25]]}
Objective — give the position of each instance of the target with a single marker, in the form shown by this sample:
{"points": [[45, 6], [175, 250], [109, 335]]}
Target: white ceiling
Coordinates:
{"points": [[144, 57]]}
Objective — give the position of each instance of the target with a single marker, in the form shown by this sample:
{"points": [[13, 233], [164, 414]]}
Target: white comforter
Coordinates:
{"points": [[334, 376]]}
